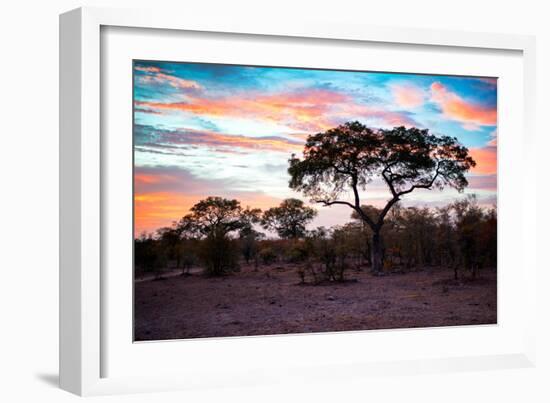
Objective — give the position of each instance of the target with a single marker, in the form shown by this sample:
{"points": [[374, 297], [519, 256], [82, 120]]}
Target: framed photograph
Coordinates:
{"points": [[245, 203]]}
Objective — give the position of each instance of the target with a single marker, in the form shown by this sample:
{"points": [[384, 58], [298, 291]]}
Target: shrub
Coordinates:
{"points": [[298, 253], [268, 256], [219, 254]]}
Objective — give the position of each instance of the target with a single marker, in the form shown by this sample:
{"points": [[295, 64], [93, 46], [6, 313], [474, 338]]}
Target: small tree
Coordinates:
{"points": [[169, 242], [349, 156], [145, 255], [214, 219], [289, 220], [469, 220], [249, 243]]}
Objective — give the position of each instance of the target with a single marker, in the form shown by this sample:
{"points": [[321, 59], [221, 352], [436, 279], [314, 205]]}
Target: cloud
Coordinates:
{"points": [[408, 96], [165, 194], [155, 75], [144, 110], [302, 110], [486, 160], [471, 115], [482, 182], [490, 82], [177, 140], [493, 141], [147, 69], [308, 110], [377, 116]]}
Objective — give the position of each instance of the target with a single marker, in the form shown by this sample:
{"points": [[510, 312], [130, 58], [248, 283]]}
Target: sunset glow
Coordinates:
{"points": [[220, 130]]}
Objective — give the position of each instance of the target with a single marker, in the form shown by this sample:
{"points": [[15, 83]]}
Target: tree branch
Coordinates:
{"points": [[425, 186], [385, 211], [359, 210]]}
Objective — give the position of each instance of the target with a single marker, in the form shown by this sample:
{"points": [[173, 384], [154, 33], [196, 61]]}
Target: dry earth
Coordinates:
{"points": [[271, 301]]}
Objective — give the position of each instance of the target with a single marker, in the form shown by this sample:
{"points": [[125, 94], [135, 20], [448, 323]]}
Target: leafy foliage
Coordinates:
{"points": [[348, 157], [289, 219]]}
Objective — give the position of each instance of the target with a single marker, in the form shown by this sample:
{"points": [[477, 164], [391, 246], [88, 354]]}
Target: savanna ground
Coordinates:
{"points": [[272, 301]]}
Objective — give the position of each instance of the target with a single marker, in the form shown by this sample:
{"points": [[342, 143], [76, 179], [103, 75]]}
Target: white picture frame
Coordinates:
{"points": [[83, 174]]}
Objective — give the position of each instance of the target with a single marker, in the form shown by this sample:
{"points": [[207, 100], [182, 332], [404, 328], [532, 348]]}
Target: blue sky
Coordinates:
{"points": [[205, 129]]}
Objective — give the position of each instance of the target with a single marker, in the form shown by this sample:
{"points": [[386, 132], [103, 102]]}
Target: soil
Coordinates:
{"points": [[272, 301]]}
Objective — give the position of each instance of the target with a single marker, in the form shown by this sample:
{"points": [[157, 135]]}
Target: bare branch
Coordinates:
{"points": [[425, 186], [359, 210]]}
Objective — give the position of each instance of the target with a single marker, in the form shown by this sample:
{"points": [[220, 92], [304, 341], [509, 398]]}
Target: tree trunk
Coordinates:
{"points": [[376, 253], [369, 254]]}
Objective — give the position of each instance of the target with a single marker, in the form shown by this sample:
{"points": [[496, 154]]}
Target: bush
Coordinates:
{"points": [[298, 253], [268, 256], [220, 255]]}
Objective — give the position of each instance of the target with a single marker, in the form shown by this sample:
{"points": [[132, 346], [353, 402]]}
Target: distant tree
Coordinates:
{"points": [[289, 219], [488, 238], [446, 243], [349, 156], [249, 243], [469, 225], [144, 253], [214, 219], [150, 255], [169, 240]]}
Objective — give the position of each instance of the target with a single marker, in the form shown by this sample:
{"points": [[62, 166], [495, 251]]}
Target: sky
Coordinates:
{"points": [[224, 130]]}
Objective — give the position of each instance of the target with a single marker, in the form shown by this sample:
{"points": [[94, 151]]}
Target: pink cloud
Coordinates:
{"points": [[486, 160], [172, 141], [381, 117], [408, 96], [470, 114], [307, 110], [159, 76], [149, 69], [482, 182], [165, 194], [493, 141]]}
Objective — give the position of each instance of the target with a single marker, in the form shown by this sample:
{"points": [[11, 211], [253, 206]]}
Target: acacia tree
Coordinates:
{"points": [[289, 219], [346, 158], [213, 219]]}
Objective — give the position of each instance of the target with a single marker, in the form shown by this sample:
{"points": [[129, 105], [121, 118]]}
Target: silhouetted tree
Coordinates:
{"points": [[214, 218], [469, 224], [249, 243], [150, 255], [170, 239], [289, 219], [349, 156]]}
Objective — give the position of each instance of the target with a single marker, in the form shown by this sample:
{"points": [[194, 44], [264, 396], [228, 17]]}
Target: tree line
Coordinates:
{"points": [[219, 236], [334, 163]]}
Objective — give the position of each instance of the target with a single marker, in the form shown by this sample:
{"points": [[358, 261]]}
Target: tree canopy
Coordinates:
{"points": [[349, 156], [216, 214], [289, 219], [345, 159]]}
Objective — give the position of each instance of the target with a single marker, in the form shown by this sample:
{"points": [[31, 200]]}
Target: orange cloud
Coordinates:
{"points": [[408, 96], [381, 116], [304, 110], [486, 160], [173, 141], [308, 110], [456, 108], [151, 179], [267, 143], [160, 209]]}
